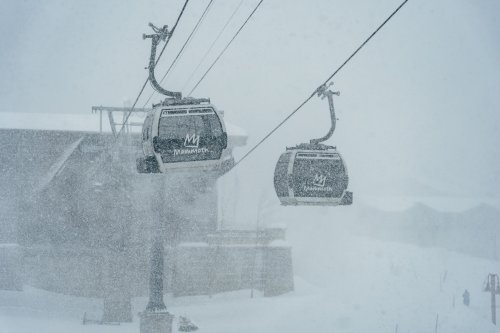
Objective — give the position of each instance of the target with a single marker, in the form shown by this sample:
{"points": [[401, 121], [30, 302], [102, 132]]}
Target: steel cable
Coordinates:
{"points": [[226, 47], [212, 45], [147, 79], [325, 82], [200, 20]]}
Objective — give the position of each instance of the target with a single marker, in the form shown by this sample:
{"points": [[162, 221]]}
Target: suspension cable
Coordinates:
{"points": [[225, 48], [325, 82], [212, 45], [195, 29], [147, 79]]}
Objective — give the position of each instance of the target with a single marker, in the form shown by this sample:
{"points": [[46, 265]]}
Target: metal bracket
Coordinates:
{"points": [[160, 34], [323, 92]]}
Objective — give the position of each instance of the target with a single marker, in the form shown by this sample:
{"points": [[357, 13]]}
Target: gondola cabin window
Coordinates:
{"points": [[181, 124], [186, 135], [319, 177]]}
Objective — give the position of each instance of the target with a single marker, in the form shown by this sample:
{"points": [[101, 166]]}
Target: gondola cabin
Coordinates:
{"points": [[184, 137], [312, 175]]}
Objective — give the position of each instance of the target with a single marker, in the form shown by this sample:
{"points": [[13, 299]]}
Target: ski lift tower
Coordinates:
{"points": [[493, 287]]}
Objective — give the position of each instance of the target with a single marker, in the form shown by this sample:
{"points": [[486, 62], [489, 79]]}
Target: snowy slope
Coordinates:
{"points": [[344, 283]]}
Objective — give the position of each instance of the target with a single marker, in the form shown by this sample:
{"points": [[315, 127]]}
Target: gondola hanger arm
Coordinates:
{"points": [[322, 92], [159, 34]]}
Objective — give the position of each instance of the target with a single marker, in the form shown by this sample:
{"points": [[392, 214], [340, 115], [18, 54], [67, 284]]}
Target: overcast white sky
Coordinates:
{"points": [[418, 107]]}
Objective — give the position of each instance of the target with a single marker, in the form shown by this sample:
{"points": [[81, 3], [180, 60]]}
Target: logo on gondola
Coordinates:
{"points": [[192, 141], [319, 180], [318, 185]]}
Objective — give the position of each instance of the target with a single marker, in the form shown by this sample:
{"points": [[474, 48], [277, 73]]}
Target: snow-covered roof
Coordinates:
{"points": [[85, 123], [52, 121]]}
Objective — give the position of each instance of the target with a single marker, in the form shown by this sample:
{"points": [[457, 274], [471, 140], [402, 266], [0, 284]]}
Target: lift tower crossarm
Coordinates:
{"points": [[119, 109], [111, 109]]}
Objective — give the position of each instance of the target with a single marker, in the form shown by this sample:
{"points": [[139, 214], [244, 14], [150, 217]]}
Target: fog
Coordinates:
{"points": [[418, 107], [418, 118]]}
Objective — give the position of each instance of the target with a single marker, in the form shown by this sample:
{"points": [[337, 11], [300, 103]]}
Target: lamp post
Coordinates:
{"points": [[156, 303], [156, 318]]}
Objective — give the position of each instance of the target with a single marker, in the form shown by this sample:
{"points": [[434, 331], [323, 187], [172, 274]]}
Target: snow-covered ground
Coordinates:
{"points": [[344, 283]]}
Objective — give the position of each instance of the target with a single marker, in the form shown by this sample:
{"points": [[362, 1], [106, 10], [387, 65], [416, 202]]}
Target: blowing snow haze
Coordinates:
{"points": [[418, 111], [418, 121]]}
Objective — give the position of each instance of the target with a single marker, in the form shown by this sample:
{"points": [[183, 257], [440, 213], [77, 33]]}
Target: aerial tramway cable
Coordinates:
{"points": [[226, 47], [195, 29], [212, 45], [166, 43], [147, 79], [316, 90]]}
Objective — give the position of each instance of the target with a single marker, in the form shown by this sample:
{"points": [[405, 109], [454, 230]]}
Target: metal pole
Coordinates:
{"points": [[156, 303], [493, 298], [155, 318]]}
